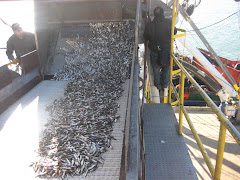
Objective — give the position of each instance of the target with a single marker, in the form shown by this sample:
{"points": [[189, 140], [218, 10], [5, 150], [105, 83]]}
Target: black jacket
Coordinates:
{"points": [[158, 32], [20, 46]]}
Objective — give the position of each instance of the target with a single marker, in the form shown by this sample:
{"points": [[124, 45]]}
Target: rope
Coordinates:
{"points": [[216, 22], [198, 3], [193, 37], [219, 26], [181, 23], [5, 23]]}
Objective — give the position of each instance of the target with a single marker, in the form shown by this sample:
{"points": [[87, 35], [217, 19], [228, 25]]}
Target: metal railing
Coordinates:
{"points": [[132, 165], [225, 123]]}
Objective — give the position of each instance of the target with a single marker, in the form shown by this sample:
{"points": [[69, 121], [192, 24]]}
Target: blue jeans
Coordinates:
{"points": [[161, 79]]}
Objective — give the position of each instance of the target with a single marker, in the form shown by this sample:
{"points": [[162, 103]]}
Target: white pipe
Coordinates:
{"points": [[208, 66]]}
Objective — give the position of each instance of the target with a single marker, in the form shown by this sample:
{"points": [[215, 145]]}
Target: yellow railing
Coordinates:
{"points": [[225, 123], [174, 15], [147, 83]]}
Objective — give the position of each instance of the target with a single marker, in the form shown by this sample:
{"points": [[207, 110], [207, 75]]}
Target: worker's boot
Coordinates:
{"points": [[161, 94], [165, 92]]}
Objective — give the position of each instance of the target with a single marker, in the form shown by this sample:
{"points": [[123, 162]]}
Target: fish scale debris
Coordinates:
{"points": [[80, 125]]}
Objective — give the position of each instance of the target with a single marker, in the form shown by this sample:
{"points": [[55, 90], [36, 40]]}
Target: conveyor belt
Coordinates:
{"points": [[21, 128], [167, 155]]}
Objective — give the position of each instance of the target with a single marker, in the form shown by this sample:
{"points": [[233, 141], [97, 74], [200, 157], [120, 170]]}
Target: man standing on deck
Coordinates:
{"points": [[158, 33], [21, 42]]}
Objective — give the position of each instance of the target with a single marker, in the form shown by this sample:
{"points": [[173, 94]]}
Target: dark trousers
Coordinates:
{"points": [[161, 78]]}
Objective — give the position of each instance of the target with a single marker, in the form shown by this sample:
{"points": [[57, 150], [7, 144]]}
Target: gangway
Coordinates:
{"points": [[166, 152]]}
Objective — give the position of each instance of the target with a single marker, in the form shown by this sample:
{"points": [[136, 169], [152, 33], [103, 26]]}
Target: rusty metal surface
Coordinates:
{"points": [[5, 76], [60, 1], [75, 12], [30, 61], [15, 90], [13, 86]]}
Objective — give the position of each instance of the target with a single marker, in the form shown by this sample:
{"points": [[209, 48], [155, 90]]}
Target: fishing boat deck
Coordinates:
{"points": [[21, 128], [207, 126]]}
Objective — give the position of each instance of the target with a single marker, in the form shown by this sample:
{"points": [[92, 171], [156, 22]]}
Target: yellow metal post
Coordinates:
{"points": [[221, 144], [182, 81], [174, 15], [198, 140], [199, 143]]}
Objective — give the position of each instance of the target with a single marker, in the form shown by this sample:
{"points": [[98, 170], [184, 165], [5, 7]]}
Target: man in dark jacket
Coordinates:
{"points": [[21, 42], [158, 33]]}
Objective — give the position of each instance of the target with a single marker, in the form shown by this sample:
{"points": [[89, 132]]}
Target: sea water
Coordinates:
{"points": [[224, 37]]}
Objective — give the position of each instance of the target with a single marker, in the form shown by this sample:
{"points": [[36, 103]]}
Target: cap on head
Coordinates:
{"points": [[16, 27], [158, 12]]}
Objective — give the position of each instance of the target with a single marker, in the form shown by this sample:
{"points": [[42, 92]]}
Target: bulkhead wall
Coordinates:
{"points": [[52, 14]]}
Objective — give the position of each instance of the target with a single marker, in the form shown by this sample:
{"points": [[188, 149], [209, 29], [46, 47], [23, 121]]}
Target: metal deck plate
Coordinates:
{"points": [[167, 155]]}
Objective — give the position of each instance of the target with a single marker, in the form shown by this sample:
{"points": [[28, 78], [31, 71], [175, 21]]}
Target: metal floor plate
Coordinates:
{"points": [[167, 155]]}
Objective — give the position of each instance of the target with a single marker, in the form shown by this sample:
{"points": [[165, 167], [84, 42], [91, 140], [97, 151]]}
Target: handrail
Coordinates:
{"points": [[133, 115], [180, 35], [147, 91], [234, 132], [174, 15], [225, 123], [199, 142]]}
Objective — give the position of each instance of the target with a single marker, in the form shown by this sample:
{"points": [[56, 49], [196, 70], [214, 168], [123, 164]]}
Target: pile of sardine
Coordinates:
{"points": [[79, 129]]}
